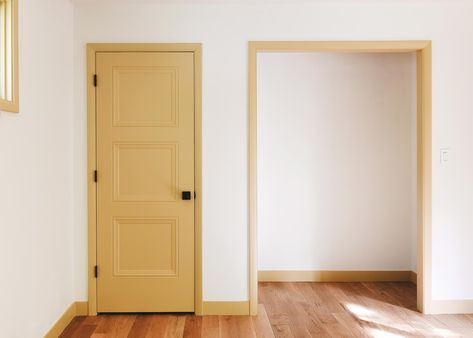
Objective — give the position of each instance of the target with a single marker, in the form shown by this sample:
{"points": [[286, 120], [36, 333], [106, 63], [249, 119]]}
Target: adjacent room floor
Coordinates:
{"points": [[295, 310]]}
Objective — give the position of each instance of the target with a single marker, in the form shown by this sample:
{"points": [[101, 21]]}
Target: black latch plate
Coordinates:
{"points": [[186, 195]]}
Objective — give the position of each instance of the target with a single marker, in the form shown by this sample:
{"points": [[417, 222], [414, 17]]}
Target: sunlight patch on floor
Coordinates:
{"points": [[383, 334], [442, 332], [377, 318], [358, 310]]}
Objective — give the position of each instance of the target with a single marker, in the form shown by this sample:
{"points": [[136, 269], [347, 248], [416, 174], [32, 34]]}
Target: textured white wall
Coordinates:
{"points": [[36, 190], [224, 31], [336, 161]]}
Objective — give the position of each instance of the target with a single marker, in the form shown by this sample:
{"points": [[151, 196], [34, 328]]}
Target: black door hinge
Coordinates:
{"points": [[95, 175], [195, 195], [96, 271], [95, 80]]}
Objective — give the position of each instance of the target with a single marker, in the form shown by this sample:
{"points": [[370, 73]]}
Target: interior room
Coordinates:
{"points": [[234, 168], [337, 162]]}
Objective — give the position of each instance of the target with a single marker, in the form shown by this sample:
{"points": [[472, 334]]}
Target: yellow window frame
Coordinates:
{"points": [[9, 96]]}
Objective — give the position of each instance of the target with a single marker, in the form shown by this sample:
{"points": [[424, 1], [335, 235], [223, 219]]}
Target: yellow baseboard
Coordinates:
{"points": [[335, 276], [75, 309], [413, 277], [82, 308], [451, 307], [226, 308]]}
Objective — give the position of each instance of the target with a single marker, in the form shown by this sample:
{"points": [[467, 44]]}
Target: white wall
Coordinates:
{"points": [[36, 197], [336, 161], [224, 30]]}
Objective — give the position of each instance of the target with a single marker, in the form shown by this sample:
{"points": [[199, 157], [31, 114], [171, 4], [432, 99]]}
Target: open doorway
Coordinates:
{"points": [[337, 162]]}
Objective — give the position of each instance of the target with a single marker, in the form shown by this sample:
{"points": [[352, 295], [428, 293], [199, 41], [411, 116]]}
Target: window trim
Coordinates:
{"points": [[13, 105]]}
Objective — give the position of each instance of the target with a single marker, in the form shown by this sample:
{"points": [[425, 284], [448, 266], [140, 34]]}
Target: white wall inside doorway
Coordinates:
{"points": [[337, 161]]}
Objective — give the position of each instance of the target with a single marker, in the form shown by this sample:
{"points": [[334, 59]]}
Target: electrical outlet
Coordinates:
{"points": [[444, 155]]}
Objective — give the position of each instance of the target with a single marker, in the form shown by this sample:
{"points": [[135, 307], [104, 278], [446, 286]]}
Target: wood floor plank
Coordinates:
{"points": [[117, 326], [141, 326], [282, 331], [236, 327], [456, 321], [175, 327], [261, 325], [351, 324], [328, 302], [273, 301], [85, 331], [293, 303], [158, 326], [210, 327], [193, 327], [294, 310], [92, 320], [73, 326]]}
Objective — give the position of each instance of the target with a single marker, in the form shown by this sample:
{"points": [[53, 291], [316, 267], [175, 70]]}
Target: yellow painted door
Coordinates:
{"points": [[145, 161]]}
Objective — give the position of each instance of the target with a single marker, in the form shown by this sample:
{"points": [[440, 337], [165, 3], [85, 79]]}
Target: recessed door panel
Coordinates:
{"points": [[145, 172], [145, 96], [156, 254]]}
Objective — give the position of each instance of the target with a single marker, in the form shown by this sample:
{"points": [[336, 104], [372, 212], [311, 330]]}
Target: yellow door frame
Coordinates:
{"points": [[423, 50], [92, 50]]}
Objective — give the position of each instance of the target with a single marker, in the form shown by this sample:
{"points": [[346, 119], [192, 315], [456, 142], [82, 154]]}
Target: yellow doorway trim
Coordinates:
{"points": [[92, 49], [423, 50]]}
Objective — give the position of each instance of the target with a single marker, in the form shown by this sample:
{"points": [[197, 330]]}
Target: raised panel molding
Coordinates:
{"points": [[161, 97], [158, 250], [139, 162]]}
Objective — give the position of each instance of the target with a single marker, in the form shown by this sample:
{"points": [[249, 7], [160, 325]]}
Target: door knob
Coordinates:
{"points": [[186, 195]]}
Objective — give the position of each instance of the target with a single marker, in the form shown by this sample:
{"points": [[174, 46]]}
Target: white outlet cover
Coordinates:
{"points": [[444, 155]]}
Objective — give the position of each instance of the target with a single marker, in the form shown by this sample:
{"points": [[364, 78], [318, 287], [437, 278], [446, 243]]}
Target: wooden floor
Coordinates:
{"points": [[295, 310]]}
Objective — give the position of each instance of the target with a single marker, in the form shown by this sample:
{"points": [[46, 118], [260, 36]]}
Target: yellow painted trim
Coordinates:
{"points": [[82, 308], [424, 147], [75, 309], [452, 306], [340, 46], [226, 308], [92, 49], [253, 184], [91, 186], [146, 47], [413, 277], [424, 179], [333, 276], [198, 306], [13, 106]]}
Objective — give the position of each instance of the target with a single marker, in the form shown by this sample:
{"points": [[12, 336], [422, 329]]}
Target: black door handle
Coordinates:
{"points": [[186, 195]]}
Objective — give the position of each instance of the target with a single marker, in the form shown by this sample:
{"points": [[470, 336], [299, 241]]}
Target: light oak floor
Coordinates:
{"points": [[295, 310]]}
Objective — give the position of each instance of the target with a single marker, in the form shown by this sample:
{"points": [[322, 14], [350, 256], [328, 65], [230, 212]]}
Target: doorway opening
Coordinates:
{"points": [[340, 163]]}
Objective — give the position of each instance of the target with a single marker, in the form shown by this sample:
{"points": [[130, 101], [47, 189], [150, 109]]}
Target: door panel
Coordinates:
{"points": [[145, 172], [145, 159], [146, 107]]}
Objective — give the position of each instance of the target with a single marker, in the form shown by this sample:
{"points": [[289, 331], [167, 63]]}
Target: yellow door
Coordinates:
{"points": [[145, 164]]}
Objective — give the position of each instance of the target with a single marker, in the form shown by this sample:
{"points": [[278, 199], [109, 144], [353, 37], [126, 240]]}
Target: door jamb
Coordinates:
{"points": [[92, 50], [423, 50]]}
